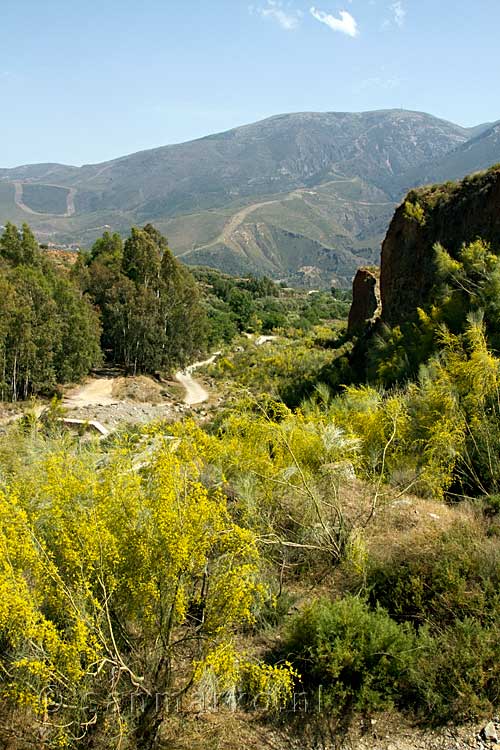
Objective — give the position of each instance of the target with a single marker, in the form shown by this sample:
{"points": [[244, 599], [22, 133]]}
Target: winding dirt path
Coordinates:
{"points": [[195, 392], [226, 235], [99, 391]]}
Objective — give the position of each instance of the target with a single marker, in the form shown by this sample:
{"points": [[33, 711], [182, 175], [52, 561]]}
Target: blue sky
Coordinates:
{"points": [[84, 81]]}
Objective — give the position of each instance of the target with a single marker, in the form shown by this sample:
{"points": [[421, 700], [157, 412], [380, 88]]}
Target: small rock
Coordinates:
{"points": [[489, 732]]}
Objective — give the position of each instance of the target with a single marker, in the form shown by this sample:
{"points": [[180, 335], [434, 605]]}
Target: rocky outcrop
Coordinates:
{"points": [[365, 299], [452, 214]]}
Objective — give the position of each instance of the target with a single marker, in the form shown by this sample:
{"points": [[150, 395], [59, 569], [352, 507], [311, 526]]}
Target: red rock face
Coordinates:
{"points": [[454, 214], [404, 275], [365, 299]]}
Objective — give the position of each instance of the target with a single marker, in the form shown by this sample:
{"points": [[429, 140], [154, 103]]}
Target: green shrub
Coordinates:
{"points": [[415, 212], [457, 578], [456, 675], [361, 658]]}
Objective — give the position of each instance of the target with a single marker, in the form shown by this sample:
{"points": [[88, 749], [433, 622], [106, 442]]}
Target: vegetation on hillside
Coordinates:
{"points": [[130, 304], [284, 196], [151, 564], [259, 305], [329, 546]]}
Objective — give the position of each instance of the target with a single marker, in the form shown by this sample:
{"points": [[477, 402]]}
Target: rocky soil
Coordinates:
{"points": [[234, 731]]}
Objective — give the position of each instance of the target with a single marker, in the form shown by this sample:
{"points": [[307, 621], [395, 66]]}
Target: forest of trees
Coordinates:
{"points": [[126, 303], [150, 304], [49, 330], [131, 304]]}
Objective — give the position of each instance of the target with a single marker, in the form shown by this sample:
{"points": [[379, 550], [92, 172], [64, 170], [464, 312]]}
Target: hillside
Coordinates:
{"points": [[480, 152], [290, 565], [453, 214], [439, 275], [302, 196]]}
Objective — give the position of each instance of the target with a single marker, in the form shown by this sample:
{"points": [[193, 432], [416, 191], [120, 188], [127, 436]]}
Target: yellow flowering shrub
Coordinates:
{"points": [[120, 577]]}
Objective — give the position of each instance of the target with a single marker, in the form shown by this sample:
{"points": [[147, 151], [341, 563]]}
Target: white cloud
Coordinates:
{"points": [[287, 17], [346, 24], [399, 12]]}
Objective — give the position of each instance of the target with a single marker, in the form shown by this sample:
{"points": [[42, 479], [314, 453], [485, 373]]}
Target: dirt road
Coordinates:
{"points": [[18, 187], [70, 201], [195, 392], [99, 391], [95, 392]]}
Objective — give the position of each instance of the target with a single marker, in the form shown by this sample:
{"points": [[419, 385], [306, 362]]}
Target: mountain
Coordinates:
{"points": [[480, 152], [304, 196]]}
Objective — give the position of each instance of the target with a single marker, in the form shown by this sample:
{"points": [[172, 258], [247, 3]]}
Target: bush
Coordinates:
{"points": [[456, 675], [457, 578], [360, 657], [364, 660]]}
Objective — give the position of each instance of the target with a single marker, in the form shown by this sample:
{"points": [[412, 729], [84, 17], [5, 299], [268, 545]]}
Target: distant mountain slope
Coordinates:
{"points": [[475, 155], [282, 196]]}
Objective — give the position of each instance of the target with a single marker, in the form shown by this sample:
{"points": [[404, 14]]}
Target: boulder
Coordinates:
{"points": [[489, 732]]}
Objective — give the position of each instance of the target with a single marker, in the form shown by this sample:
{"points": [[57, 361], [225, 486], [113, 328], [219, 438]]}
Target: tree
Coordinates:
{"points": [[241, 304], [108, 251], [142, 258], [183, 318], [150, 307], [10, 244], [78, 348], [49, 332], [19, 248], [29, 247]]}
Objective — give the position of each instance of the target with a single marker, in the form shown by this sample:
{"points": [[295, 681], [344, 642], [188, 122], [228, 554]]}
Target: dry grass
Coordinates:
{"points": [[413, 523], [141, 388], [222, 730], [392, 521]]}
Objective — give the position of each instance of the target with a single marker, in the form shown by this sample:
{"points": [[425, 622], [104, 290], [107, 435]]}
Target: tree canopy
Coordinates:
{"points": [[49, 330], [150, 304]]}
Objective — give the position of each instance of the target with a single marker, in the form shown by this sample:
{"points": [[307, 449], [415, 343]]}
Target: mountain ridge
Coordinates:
{"points": [[288, 193], [280, 116]]}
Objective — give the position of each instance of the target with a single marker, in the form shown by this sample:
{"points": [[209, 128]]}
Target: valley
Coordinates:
{"points": [[302, 523]]}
